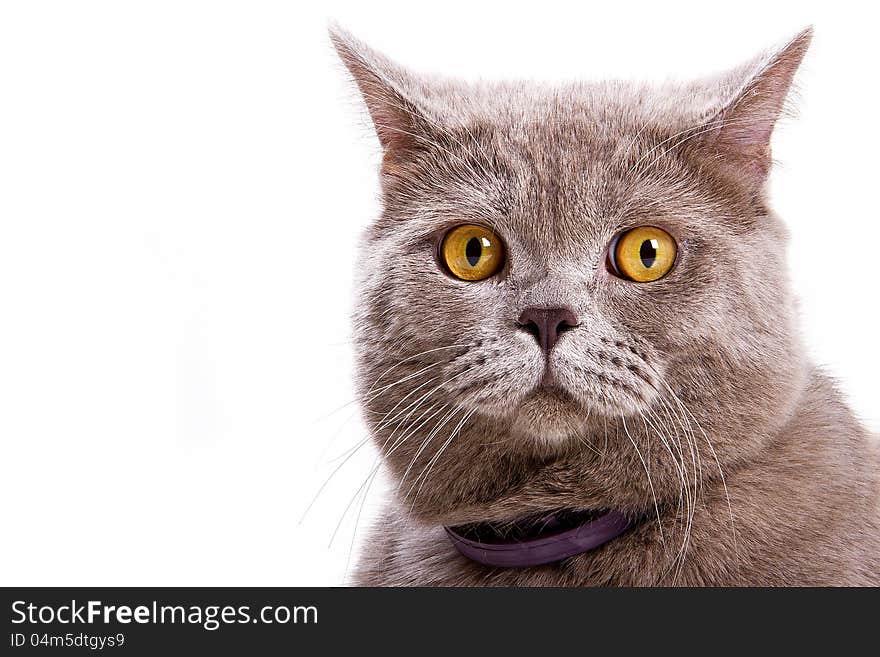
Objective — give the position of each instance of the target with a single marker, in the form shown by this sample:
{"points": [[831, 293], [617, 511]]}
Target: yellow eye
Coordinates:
{"points": [[643, 254], [472, 252]]}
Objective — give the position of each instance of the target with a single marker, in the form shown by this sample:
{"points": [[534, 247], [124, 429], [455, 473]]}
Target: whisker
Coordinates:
{"points": [[648, 474], [686, 412], [425, 473], [413, 357], [684, 490], [440, 424]]}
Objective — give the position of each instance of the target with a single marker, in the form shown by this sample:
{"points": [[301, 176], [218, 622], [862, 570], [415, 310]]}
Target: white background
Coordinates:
{"points": [[181, 189]]}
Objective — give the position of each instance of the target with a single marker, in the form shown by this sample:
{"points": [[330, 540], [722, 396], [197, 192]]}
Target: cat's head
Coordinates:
{"points": [[560, 266]]}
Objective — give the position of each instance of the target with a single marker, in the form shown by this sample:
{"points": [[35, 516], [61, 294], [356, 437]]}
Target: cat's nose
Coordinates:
{"points": [[546, 324]]}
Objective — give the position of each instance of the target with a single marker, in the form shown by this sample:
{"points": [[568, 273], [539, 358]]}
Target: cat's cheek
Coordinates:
{"points": [[497, 381], [610, 392]]}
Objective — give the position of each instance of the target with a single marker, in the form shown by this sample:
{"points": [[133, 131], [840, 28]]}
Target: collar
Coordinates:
{"points": [[537, 540]]}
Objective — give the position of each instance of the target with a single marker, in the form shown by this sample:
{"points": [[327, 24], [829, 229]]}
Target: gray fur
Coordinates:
{"points": [[687, 401]]}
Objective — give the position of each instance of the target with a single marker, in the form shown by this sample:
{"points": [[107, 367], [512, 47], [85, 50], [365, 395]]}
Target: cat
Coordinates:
{"points": [[573, 320]]}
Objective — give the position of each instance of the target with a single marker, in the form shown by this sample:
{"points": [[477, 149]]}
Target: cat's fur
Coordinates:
{"points": [[688, 402]]}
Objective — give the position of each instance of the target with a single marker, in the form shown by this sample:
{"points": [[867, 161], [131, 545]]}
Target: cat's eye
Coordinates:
{"points": [[643, 254], [471, 252]]}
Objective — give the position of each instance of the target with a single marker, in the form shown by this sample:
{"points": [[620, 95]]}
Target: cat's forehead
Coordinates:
{"points": [[602, 109], [582, 158]]}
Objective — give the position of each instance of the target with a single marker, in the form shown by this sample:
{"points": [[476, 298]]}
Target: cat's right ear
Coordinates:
{"points": [[389, 93]]}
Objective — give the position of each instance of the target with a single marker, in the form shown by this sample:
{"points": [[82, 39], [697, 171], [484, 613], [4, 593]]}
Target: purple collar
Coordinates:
{"points": [[537, 540]]}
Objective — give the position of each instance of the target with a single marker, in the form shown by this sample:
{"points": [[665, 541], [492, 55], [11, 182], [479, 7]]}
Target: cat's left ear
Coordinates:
{"points": [[739, 134]]}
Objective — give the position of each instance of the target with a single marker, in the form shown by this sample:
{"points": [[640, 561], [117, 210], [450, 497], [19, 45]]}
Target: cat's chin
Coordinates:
{"points": [[549, 416]]}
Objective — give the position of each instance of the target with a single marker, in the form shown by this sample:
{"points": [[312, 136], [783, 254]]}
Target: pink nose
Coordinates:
{"points": [[546, 324]]}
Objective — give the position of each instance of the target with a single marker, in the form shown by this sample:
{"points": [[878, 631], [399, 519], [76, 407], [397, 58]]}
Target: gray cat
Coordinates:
{"points": [[576, 345]]}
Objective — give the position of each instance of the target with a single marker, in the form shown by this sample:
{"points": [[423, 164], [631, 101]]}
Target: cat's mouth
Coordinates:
{"points": [[553, 396], [549, 413], [538, 539]]}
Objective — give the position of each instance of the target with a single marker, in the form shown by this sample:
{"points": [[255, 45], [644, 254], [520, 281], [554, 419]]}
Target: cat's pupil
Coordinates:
{"points": [[647, 252], [473, 250]]}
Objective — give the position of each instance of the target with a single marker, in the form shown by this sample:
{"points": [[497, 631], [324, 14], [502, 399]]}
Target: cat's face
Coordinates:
{"points": [[568, 190]]}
